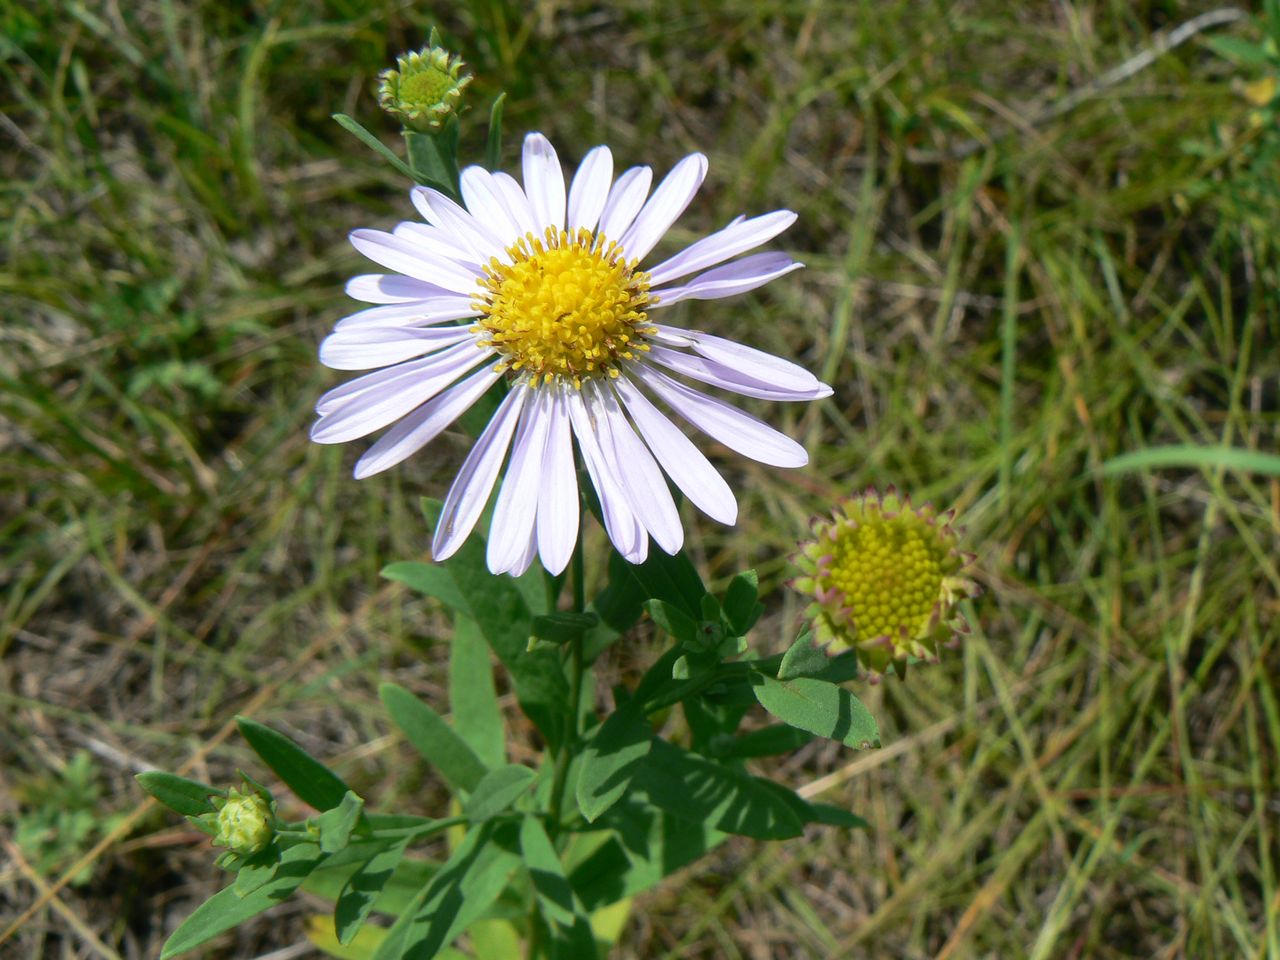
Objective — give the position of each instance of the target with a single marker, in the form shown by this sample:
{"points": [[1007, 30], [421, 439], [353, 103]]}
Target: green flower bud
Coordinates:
{"points": [[245, 823], [425, 89], [886, 580]]}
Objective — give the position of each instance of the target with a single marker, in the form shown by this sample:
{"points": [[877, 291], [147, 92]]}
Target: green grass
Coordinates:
{"points": [[1003, 309]]}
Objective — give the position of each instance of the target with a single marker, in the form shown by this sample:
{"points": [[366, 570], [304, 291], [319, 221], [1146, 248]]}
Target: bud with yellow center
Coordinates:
{"points": [[885, 579], [425, 89], [245, 823]]}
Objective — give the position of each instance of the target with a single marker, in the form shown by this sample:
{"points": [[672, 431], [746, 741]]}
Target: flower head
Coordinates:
{"points": [[885, 579], [245, 822], [425, 88], [554, 303]]}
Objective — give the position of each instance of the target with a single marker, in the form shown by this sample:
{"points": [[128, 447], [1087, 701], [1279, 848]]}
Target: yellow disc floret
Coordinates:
{"points": [[885, 579], [568, 307]]}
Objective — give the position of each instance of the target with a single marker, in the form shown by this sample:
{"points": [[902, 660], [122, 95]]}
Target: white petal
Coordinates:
{"points": [[544, 181], [590, 189], [396, 253], [412, 313], [382, 288], [728, 378], [364, 348], [635, 470], [736, 430], [733, 278], [517, 202], [434, 240], [739, 237], [625, 199], [378, 402], [487, 203], [474, 482], [511, 530], [665, 206], [558, 510], [752, 363], [444, 213], [682, 461], [625, 531], [425, 424]]}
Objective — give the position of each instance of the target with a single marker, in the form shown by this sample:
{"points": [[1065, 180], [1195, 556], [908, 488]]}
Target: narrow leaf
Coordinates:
{"points": [[477, 718], [187, 797], [1189, 455], [493, 145], [369, 140], [362, 890], [225, 909], [819, 707], [612, 758], [497, 791], [546, 871], [563, 626], [427, 731], [740, 604], [311, 780]]}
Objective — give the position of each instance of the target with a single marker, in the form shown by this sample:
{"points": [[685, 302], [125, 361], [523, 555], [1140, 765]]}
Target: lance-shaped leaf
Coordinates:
{"points": [[362, 890], [612, 758], [497, 791], [227, 909], [311, 780], [547, 873], [477, 718], [427, 731], [188, 797]]}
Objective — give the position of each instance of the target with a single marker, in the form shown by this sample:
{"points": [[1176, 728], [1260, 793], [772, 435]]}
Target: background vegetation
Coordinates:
{"points": [[1020, 266]]}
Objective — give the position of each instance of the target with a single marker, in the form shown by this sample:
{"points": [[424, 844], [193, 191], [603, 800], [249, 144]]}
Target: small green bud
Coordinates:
{"points": [[425, 89], [245, 823]]}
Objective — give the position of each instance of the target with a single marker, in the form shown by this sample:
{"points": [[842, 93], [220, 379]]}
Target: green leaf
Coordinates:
{"points": [[640, 846], [369, 140], [363, 888], [497, 791], [335, 825], [803, 659], [257, 871], [1189, 455], [428, 579], [768, 741], [499, 609], [459, 895], [834, 816], [311, 780], [819, 707], [225, 909], [477, 718], [731, 801], [188, 797], [427, 731], [612, 758], [673, 579], [547, 872], [563, 627], [673, 620], [434, 157], [740, 605], [1238, 50], [493, 144], [406, 882]]}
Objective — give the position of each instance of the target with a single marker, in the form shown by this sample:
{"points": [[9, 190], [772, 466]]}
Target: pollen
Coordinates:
{"points": [[569, 307]]}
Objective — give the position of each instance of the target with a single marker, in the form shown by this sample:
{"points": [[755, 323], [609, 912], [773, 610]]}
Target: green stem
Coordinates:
{"points": [[569, 743]]}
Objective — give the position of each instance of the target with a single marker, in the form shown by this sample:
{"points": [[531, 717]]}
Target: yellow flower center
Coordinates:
{"points": [[890, 573], [426, 89], [567, 307]]}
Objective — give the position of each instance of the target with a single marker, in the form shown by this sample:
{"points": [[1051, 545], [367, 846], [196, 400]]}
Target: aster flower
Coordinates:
{"points": [[556, 304], [885, 579], [426, 87]]}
